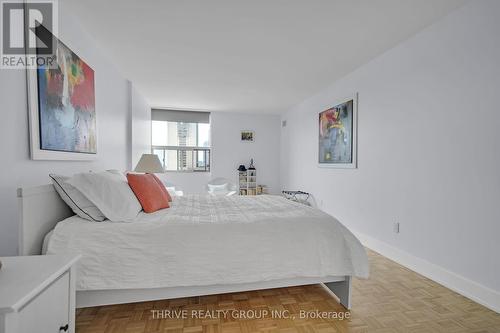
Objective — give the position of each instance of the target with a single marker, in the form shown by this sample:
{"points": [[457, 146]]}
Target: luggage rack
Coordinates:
{"points": [[297, 196]]}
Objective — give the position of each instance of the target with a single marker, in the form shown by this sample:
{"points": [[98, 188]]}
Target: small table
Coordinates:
{"points": [[37, 294]]}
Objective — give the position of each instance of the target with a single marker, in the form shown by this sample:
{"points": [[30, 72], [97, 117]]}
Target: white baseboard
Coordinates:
{"points": [[465, 287]]}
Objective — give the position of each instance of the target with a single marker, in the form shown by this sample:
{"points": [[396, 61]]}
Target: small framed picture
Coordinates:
{"points": [[247, 136]]}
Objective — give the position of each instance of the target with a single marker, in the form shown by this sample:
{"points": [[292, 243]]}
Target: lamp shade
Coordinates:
{"points": [[149, 163]]}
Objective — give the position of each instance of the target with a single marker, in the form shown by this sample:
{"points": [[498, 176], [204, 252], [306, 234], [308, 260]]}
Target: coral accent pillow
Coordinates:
{"points": [[148, 192], [162, 187]]}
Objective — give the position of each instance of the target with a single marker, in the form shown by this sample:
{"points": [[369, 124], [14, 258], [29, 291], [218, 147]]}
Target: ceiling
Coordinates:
{"points": [[254, 56]]}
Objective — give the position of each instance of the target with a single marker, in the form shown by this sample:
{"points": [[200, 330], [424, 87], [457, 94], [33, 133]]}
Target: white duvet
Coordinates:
{"points": [[206, 240]]}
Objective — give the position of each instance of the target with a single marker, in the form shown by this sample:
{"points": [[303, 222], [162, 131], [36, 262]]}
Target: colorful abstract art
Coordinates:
{"points": [[66, 104], [336, 134]]}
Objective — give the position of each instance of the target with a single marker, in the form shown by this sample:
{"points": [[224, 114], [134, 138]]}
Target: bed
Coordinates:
{"points": [[201, 245]]}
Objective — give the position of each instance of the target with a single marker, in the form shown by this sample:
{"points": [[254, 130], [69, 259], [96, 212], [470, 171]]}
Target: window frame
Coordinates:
{"points": [[193, 149]]}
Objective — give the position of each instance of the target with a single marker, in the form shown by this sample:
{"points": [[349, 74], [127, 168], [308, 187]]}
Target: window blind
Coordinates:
{"points": [[181, 116]]}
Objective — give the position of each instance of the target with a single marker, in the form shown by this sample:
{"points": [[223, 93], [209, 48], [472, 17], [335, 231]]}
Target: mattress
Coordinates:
{"points": [[206, 240]]}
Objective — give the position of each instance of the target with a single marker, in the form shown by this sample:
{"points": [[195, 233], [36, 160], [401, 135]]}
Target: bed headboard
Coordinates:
{"points": [[40, 208]]}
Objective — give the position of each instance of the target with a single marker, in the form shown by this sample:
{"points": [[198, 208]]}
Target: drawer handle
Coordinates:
{"points": [[64, 328]]}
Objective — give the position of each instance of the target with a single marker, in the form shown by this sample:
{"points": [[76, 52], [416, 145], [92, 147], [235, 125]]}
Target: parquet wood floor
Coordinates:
{"points": [[393, 299]]}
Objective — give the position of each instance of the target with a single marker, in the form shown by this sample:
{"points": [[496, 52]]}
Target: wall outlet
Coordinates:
{"points": [[395, 227]]}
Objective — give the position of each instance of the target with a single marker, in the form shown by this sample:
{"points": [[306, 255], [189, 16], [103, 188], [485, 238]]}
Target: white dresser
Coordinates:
{"points": [[37, 294]]}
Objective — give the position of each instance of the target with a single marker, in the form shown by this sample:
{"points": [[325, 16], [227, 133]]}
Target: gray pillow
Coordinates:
{"points": [[75, 199]]}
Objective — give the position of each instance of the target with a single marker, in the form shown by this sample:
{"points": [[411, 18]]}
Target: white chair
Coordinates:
{"points": [[221, 186]]}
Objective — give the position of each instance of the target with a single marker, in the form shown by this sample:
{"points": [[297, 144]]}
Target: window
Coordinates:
{"points": [[181, 139]]}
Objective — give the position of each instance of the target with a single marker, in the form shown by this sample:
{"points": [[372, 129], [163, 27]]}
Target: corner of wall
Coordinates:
{"points": [[470, 289]]}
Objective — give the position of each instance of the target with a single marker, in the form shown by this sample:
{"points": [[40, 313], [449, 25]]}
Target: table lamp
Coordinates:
{"points": [[149, 163]]}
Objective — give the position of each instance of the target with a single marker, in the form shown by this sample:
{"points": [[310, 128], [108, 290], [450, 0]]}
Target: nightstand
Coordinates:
{"points": [[37, 294]]}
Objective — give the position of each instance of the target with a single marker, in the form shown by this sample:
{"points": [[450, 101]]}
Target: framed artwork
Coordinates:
{"points": [[337, 134], [247, 136], [62, 114]]}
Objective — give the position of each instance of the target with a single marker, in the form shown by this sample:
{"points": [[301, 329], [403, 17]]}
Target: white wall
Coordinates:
{"points": [[228, 152], [112, 105], [188, 182], [429, 146], [140, 126]]}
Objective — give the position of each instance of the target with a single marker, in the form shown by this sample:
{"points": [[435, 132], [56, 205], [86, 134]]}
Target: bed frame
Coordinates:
{"points": [[40, 208]]}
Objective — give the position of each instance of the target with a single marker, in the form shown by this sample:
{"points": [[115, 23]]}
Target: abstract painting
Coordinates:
{"points": [[66, 104], [337, 135]]}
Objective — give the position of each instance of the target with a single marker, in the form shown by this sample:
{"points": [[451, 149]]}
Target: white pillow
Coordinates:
{"points": [[171, 190], [118, 173], [110, 192], [75, 199]]}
